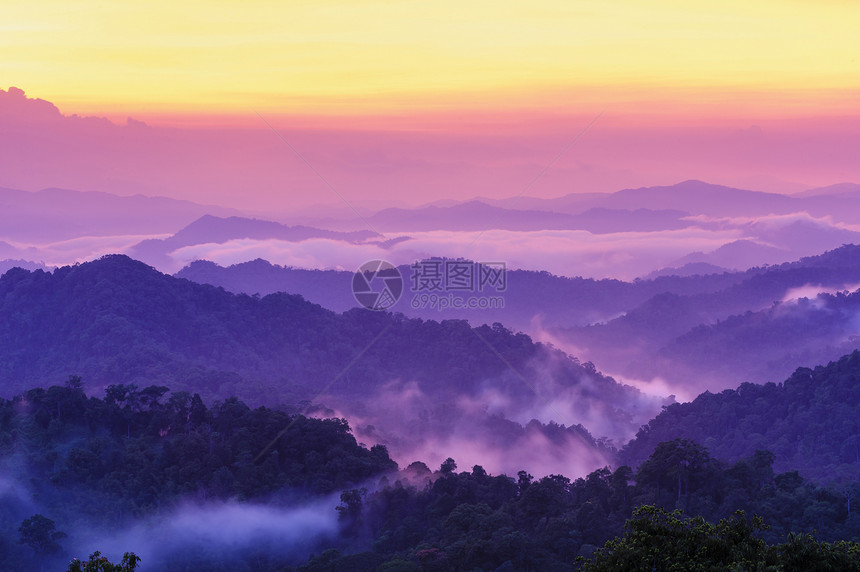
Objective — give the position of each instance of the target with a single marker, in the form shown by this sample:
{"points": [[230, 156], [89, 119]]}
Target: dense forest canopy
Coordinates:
{"points": [[113, 460], [82, 469], [412, 383], [810, 422]]}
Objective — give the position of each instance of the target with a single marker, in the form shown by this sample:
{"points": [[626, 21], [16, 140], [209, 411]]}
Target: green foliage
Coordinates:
{"points": [[660, 540], [98, 563], [137, 451], [105, 462], [809, 422], [40, 533], [474, 521], [656, 540], [117, 322]]}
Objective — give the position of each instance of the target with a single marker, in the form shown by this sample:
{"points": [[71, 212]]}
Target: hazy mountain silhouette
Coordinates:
{"points": [[809, 422], [839, 189], [25, 264], [116, 320], [532, 301], [638, 330], [218, 230], [62, 214], [478, 215], [699, 197], [739, 255], [749, 331], [688, 269]]}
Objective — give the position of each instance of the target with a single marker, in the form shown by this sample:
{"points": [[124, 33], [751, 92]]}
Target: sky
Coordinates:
{"points": [[410, 102]]}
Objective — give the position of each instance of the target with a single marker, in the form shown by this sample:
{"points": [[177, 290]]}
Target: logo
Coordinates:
{"points": [[377, 285]]}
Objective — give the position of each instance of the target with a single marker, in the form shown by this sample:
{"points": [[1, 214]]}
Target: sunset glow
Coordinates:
{"points": [[362, 57]]}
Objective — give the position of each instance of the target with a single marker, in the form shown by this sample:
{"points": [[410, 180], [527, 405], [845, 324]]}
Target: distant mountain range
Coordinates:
{"points": [[477, 215], [699, 197], [757, 329], [409, 383], [626, 233], [532, 300], [60, 214], [217, 230], [418, 385], [667, 327]]}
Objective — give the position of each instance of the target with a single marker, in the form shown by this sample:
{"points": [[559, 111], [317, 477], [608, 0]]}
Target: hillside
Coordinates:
{"points": [[756, 329], [408, 383], [532, 298], [676, 328], [809, 422]]}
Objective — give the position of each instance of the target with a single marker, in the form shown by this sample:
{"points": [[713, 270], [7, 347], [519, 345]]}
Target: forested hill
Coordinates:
{"points": [[809, 422], [118, 321], [227, 487], [98, 466]]}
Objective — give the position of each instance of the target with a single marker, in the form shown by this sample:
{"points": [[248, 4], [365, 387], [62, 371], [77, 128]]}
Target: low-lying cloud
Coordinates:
{"points": [[219, 532], [566, 253]]}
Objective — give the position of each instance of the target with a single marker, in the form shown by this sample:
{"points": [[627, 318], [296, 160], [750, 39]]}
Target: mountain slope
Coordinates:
{"points": [[749, 331], [809, 422], [62, 214], [405, 382], [477, 215], [532, 299], [218, 230]]}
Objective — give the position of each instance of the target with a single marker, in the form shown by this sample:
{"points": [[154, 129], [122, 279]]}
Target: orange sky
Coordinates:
{"points": [[163, 60], [424, 100]]}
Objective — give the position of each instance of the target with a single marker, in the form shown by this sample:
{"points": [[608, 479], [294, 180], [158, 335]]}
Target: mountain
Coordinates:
{"points": [[739, 255], [532, 300], [160, 470], [809, 422], [223, 487], [699, 197], [839, 189], [478, 215], [25, 264], [665, 203], [409, 383], [759, 346], [710, 340], [638, 330], [61, 214], [688, 269], [212, 229]]}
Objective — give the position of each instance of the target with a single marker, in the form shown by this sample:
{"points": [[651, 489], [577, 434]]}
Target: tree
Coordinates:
{"points": [[40, 533], [197, 412], [448, 466], [98, 563], [673, 466], [660, 540], [352, 502]]}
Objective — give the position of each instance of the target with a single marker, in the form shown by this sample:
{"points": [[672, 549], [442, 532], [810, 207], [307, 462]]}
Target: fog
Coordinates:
{"points": [[509, 424], [221, 531]]}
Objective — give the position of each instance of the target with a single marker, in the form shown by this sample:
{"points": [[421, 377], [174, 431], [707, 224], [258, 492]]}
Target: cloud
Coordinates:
{"points": [[811, 291], [218, 531], [562, 252], [80, 249], [753, 224]]}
